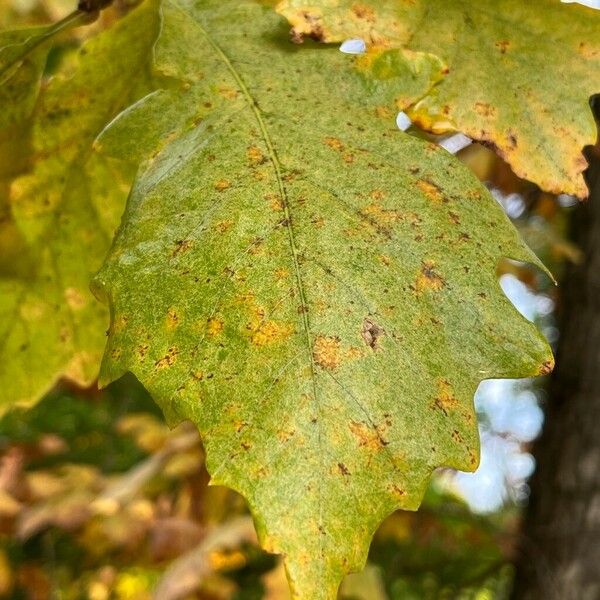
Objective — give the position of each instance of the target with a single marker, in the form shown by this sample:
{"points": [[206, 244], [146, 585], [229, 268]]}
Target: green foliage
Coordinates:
{"points": [[64, 211], [520, 73], [318, 295]]}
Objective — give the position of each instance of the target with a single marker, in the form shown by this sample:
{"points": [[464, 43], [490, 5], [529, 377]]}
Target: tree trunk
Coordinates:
{"points": [[560, 549]]}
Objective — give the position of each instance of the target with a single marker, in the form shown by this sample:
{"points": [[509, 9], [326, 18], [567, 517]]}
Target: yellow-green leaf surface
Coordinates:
{"points": [[20, 75], [313, 288], [520, 73], [64, 212]]}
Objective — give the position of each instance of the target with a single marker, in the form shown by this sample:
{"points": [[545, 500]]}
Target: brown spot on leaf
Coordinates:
{"points": [[343, 469], [364, 12], [454, 218], [547, 367], [397, 491], [368, 436], [457, 436], [286, 434], [484, 109], [168, 359], [588, 51], [228, 92], [172, 319], [371, 333], [381, 218], [503, 46], [428, 278], [223, 226], [181, 247], [445, 399], [274, 201]]}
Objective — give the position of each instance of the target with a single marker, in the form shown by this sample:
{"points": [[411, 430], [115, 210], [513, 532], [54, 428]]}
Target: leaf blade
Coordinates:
{"points": [[269, 283], [520, 77]]}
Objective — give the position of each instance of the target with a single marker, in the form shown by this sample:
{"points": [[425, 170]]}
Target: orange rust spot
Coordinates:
{"points": [[255, 156], [431, 190], [428, 278], [327, 352], [384, 260], [172, 319], [334, 143], [348, 157], [269, 332], [364, 12], [484, 109], [214, 326], [383, 112], [368, 436], [274, 201], [587, 51], [377, 194], [239, 425], [445, 399], [502, 45], [223, 226], [281, 273], [397, 491], [120, 323], [222, 185], [181, 247], [285, 435], [227, 92], [245, 298], [382, 217], [168, 359]]}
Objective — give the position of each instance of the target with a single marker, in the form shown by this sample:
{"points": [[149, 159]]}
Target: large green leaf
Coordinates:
{"points": [[313, 288], [520, 73], [63, 214]]}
